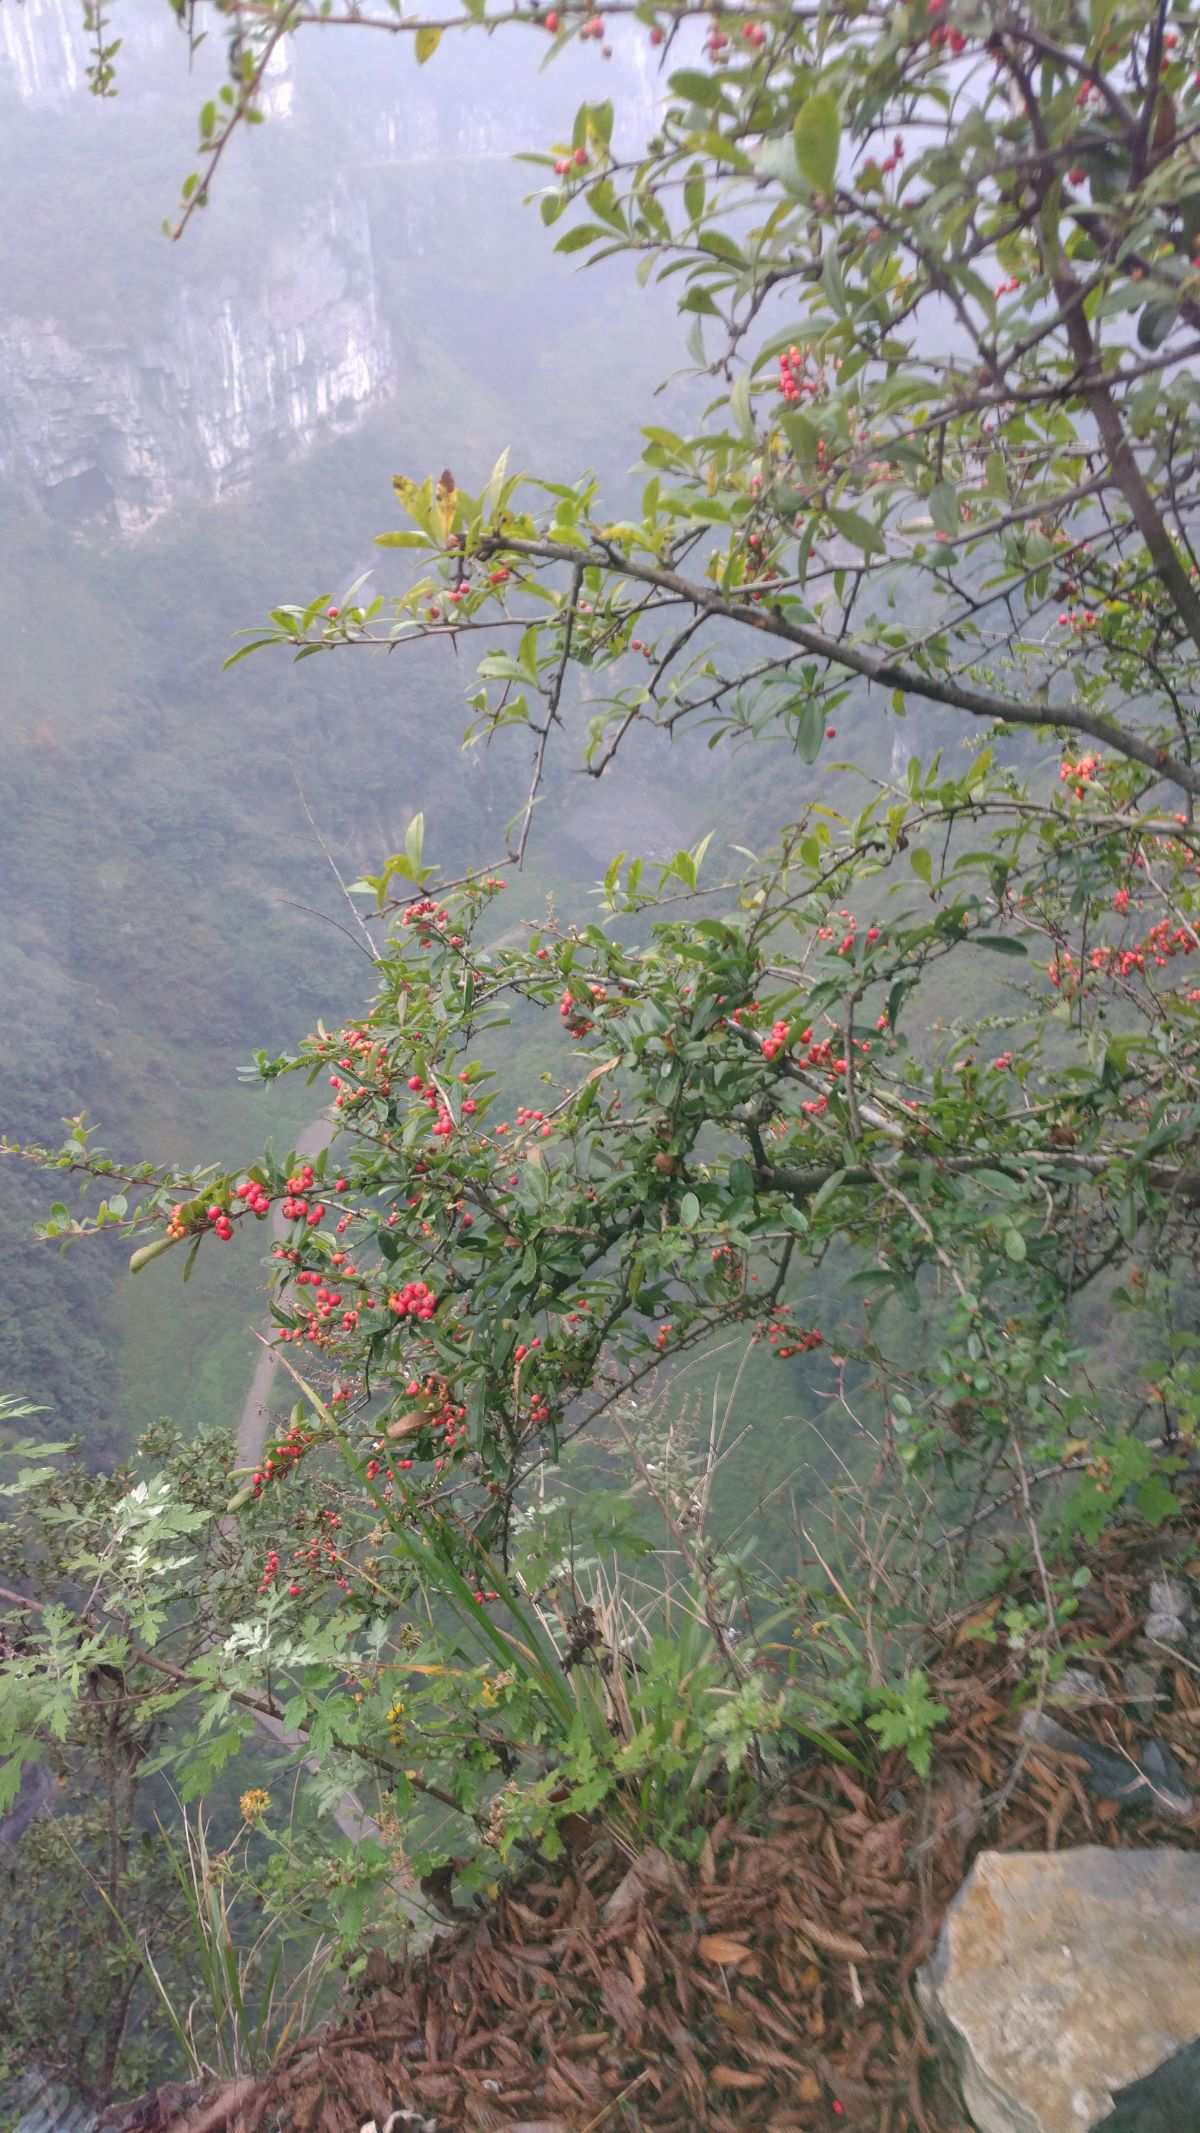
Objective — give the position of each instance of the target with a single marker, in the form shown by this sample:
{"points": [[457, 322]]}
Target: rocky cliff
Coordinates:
{"points": [[41, 51], [122, 430], [174, 391]]}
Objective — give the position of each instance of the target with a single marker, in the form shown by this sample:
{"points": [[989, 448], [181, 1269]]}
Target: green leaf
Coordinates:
{"points": [[858, 531], [1014, 1245], [999, 943], [809, 715], [689, 1210], [426, 42], [1156, 1501], [818, 134], [777, 159], [696, 88], [999, 1181], [1156, 323], [583, 233], [722, 247], [921, 864], [943, 508], [995, 478]]}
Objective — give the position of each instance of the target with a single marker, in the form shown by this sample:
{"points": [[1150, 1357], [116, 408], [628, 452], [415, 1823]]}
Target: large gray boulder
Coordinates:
{"points": [[1063, 1978]]}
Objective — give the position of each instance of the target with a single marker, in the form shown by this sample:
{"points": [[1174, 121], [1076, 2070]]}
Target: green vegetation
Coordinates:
{"points": [[878, 1083]]}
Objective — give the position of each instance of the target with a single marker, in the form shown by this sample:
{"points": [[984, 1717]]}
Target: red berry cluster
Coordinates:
{"points": [[575, 1021], [256, 1196], [785, 1339], [221, 1223], [321, 1549], [1081, 773], [526, 1117], [284, 1456], [895, 159], [326, 1299], [295, 1208], [777, 1041], [414, 1300], [944, 33], [428, 917], [443, 1123], [793, 383]]}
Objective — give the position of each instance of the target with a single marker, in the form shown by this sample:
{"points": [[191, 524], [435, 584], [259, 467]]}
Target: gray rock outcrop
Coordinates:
{"points": [[1063, 1978]]}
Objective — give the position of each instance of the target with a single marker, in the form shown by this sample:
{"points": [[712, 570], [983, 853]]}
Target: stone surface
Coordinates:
{"points": [[231, 378], [1170, 1596], [1139, 1685], [1167, 2101], [1061, 1978], [1154, 1781]]}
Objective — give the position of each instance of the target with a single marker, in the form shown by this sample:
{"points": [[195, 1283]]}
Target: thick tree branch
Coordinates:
{"points": [[857, 659]]}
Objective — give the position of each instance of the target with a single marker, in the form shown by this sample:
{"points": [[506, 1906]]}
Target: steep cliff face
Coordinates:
{"points": [[41, 56], [122, 431], [115, 412]]}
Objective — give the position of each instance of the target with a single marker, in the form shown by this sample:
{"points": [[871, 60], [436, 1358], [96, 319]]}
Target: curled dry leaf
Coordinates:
{"points": [[404, 1425]]}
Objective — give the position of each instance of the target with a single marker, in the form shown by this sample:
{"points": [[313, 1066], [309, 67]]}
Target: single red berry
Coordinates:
{"points": [[831, 733], [657, 35], [333, 613], [581, 157], [294, 1591], [552, 20]]}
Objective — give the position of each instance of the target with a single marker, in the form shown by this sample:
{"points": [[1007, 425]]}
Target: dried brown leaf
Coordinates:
{"points": [[836, 1943]]}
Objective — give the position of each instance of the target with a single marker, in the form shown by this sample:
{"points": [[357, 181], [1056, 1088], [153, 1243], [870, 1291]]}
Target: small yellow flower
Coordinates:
{"points": [[254, 1804], [396, 1726]]}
